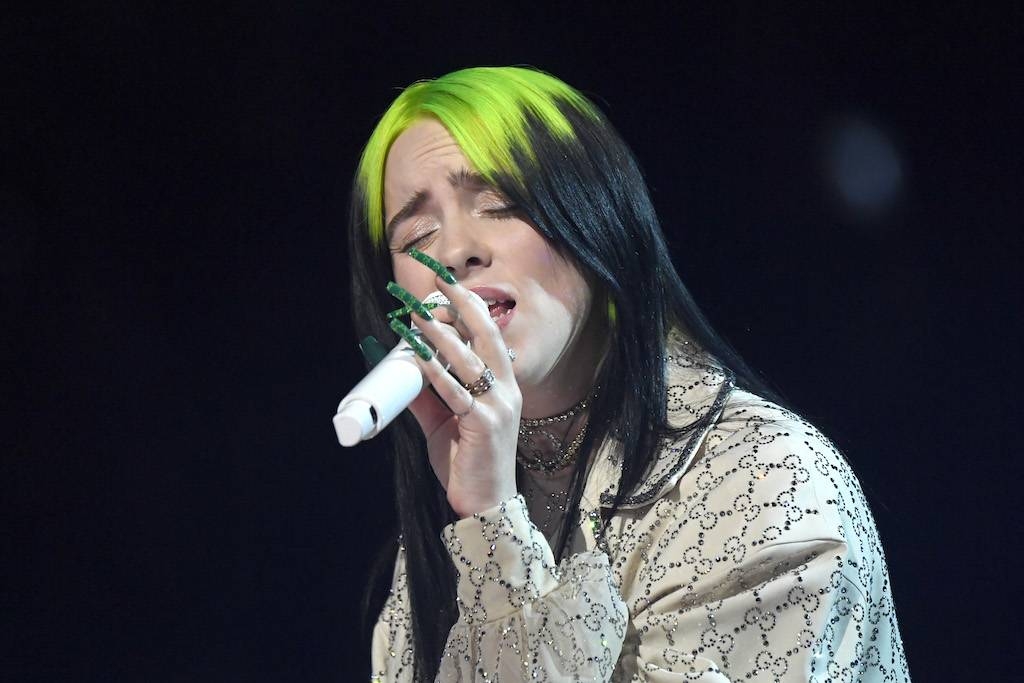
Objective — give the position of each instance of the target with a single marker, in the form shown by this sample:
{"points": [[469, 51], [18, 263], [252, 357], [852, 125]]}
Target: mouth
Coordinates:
{"points": [[500, 310], [500, 303]]}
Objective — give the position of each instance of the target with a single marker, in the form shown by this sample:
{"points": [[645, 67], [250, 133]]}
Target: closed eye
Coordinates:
{"points": [[420, 241], [502, 212], [493, 203], [416, 238]]}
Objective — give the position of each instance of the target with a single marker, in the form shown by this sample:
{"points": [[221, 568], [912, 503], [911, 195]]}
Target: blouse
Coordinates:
{"points": [[747, 553]]}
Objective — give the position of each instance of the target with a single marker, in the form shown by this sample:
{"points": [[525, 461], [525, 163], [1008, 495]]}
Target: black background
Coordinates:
{"points": [[176, 335]]}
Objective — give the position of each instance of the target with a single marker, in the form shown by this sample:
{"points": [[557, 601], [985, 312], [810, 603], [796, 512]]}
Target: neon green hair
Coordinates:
{"points": [[486, 111]]}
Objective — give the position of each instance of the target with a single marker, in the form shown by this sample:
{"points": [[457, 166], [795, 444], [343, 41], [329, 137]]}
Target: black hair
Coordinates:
{"points": [[588, 198]]}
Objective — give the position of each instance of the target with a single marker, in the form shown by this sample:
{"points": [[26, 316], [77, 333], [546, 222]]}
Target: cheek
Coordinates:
{"points": [[560, 281], [577, 298], [413, 276], [568, 287]]}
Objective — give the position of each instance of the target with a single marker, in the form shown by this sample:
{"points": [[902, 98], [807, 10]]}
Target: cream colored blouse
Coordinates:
{"points": [[747, 554]]}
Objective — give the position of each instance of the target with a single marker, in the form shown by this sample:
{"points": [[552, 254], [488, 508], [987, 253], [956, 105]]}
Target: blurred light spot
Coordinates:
{"points": [[864, 166]]}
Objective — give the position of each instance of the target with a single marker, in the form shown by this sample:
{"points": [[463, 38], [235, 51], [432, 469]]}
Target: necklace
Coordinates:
{"points": [[532, 429], [547, 498]]}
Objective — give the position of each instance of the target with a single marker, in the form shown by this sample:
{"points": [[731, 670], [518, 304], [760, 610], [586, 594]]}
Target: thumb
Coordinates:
{"points": [[429, 410]]}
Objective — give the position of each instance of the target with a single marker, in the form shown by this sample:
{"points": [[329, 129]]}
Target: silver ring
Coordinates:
{"points": [[467, 411], [482, 383]]}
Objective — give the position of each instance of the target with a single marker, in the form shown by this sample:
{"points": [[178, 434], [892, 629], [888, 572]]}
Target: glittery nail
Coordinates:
{"points": [[396, 290], [406, 310], [433, 264], [421, 349]]}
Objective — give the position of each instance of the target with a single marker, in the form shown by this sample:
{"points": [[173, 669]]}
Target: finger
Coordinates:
{"points": [[474, 321], [451, 347], [476, 324], [411, 338], [411, 302], [444, 338], [449, 390], [430, 411], [406, 310], [463, 333]]}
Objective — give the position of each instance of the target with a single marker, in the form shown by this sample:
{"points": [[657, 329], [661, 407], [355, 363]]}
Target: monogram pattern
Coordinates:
{"points": [[748, 553]]}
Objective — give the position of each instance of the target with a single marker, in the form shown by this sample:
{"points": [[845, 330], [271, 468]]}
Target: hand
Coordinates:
{"points": [[471, 440]]}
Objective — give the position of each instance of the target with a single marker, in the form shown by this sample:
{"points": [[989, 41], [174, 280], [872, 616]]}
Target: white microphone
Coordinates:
{"points": [[388, 389]]}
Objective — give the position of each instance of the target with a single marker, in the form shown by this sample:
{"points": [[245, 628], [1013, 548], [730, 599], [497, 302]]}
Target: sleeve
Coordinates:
{"points": [[521, 617], [391, 649], [764, 565]]}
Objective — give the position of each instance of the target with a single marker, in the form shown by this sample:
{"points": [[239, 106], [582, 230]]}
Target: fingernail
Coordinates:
{"points": [[421, 349], [406, 310], [433, 264], [396, 290], [373, 350]]}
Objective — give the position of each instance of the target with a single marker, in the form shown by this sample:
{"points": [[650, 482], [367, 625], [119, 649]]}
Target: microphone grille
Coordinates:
{"points": [[436, 298]]}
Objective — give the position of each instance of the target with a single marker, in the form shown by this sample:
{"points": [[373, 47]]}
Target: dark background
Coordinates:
{"points": [[175, 328]]}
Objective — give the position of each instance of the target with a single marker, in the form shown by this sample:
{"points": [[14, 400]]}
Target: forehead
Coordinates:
{"points": [[425, 152]]}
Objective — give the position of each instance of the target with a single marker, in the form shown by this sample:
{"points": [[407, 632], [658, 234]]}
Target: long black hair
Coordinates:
{"points": [[584, 192]]}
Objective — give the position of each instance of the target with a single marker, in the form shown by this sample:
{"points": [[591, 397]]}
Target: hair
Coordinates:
{"points": [[556, 157]]}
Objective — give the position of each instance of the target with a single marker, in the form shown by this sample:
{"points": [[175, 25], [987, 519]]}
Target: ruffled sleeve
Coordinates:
{"points": [[521, 617]]}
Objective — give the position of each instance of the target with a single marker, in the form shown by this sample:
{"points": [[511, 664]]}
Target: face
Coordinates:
{"points": [[435, 201]]}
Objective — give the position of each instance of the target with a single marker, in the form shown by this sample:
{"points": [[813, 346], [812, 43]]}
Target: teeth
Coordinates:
{"points": [[490, 302]]}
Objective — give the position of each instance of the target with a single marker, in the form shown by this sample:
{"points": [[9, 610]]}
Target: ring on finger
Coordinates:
{"points": [[481, 384]]}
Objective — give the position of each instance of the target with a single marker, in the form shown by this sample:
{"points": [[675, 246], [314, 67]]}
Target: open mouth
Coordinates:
{"points": [[499, 309]]}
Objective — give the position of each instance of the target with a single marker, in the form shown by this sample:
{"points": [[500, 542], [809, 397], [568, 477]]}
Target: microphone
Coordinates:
{"points": [[388, 389]]}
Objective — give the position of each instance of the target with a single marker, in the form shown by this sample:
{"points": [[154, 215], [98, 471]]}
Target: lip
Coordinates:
{"points": [[498, 294]]}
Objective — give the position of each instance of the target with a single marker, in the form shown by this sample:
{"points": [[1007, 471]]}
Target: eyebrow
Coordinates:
{"points": [[460, 178], [466, 178]]}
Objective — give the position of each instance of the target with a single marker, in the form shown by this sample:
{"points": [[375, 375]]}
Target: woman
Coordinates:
{"points": [[609, 493]]}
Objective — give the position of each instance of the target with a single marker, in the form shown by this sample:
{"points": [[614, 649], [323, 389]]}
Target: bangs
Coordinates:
{"points": [[493, 113]]}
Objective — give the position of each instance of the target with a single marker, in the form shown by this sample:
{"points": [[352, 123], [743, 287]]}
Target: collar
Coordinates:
{"points": [[696, 390]]}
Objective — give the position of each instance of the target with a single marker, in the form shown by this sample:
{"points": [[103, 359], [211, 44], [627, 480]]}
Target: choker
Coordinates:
{"points": [[531, 429]]}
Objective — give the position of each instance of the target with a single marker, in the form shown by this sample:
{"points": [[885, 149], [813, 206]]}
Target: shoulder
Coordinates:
{"points": [[766, 442], [764, 489], [767, 527], [788, 483]]}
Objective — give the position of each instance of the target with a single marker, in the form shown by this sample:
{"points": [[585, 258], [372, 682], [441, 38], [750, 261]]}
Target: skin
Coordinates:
{"points": [[557, 336]]}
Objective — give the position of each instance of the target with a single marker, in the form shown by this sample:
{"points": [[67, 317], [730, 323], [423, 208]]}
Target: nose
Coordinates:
{"points": [[462, 248]]}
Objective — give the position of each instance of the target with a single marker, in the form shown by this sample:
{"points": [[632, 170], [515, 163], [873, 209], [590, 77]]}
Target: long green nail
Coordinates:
{"points": [[399, 292], [433, 264], [406, 310], [373, 350], [421, 349]]}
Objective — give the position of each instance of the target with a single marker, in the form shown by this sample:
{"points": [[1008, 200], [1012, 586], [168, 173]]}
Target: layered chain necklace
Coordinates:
{"points": [[533, 432], [547, 457]]}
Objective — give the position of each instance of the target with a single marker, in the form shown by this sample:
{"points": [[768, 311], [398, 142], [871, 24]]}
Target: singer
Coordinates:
{"points": [[595, 487]]}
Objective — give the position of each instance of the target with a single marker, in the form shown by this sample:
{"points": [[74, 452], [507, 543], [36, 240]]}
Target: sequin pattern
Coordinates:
{"points": [[748, 553]]}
